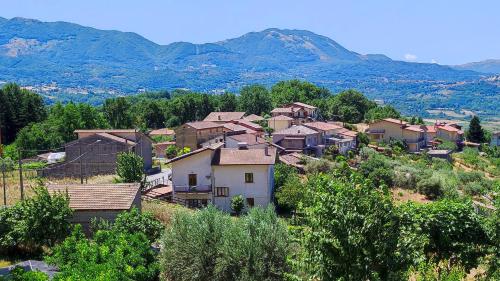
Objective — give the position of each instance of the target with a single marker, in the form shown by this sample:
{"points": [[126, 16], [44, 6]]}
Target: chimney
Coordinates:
{"points": [[242, 145], [218, 117], [255, 138], [266, 150]]}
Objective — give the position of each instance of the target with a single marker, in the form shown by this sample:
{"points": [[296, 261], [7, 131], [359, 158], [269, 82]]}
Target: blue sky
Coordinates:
{"points": [[444, 31]]}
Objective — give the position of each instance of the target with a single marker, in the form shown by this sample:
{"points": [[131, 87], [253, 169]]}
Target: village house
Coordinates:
{"points": [[193, 134], [236, 128], [300, 112], [280, 122], [101, 201], [215, 174], [224, 117], [495, 139], [249, 140], [389, 129], [161, 147], [95, 153], [256, 128], [333, 134], [299, 139], [164, 132], [253, 118]]}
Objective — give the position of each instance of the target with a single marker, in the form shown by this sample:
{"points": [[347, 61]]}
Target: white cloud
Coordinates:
{"points": [[410, 57], [433, 61]]}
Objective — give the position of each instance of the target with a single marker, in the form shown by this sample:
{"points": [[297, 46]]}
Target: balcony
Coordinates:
{"points": [[193, 189]]}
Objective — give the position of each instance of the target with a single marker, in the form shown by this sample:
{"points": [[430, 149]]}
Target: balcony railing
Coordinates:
{"points": [[193, 189]]}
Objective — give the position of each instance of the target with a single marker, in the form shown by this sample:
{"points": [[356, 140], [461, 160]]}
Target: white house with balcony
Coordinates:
{"points": [[215, 175]]}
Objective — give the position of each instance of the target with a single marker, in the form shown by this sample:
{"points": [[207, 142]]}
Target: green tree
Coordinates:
{"points": [[209, 245], [237, 204], [381, 112], [227, 102], [38, 137], [130, 167], [352, 230], [350, 106], [255, 99], [41, 220], [117, 113], [290, 91], [18, 108], [475, 132], [108, 255]]}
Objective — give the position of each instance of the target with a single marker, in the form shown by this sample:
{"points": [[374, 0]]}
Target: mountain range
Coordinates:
{"points": [[73, 56]]}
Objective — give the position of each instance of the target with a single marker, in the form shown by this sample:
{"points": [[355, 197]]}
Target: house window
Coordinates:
{"points": [[250, 202], [192, 180], [248, 177], [196, 203], [222, 191]]}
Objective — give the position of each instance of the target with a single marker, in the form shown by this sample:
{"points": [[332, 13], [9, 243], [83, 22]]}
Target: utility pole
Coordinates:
{"points": [[21, 174], [4, 186]]}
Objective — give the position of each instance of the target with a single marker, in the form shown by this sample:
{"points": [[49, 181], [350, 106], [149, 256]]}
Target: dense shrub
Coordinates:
{"points": [[406, 176], [237, 204], [430, 187], [41, 220], [19, 274], [132, 222], [378, 169], [318, 166], [109, 255], [129, 167], [453, 230], [209, 245]]}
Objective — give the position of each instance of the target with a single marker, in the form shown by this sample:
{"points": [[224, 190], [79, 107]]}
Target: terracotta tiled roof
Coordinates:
{"points": [[162, 132], [248, 124], [414, 128], [98, 197], [250, 139], [281, 117], [116, 138], [304, 105], [211, 147], [109, 131], [235, 127], [323, 126], [224, 116], [448, 128], [282, 110], [200, 125], [430, 128], [347, 132], [253, 117], [392, 120], [234, 156], [297, 130]]}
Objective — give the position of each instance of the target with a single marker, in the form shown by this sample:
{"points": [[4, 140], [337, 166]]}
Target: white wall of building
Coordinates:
{"points": [[199, 164], [233, 177]]}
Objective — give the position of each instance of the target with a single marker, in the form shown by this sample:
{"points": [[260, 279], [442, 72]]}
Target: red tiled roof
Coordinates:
{"points": [[281, 117], [253, 117], [323, 126], [224, 116], [211, 147], [392, 120], [234, 156], [250, 139], [235, 127], [282, 110], [448, 128], [162, 132], [414, 128], [248, 124], [98, 196], [430, 128], [348, 133], [200, 125], [304, 105], [116, 138], [297, 130]]}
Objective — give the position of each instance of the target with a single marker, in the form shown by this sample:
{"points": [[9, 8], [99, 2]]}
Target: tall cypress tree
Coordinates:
{"points": [[475, 133]]}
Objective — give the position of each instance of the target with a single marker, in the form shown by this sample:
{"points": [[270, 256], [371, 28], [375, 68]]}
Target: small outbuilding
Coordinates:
{"points": [[101, 201], [440, 153]]}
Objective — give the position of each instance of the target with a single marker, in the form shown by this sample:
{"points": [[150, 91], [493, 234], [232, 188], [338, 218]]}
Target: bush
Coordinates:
{"points": [[378, 169], [430, 187], [209, 245], [406, 177], [447, 145], [132, 222], [318, 166], [237, 204], [171, 151], [109, 255], [19, 274], [474, 188], [130, 167], [41, 220]]}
